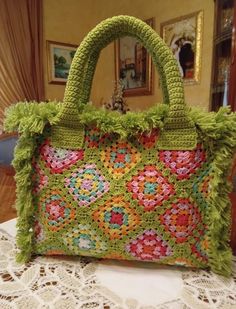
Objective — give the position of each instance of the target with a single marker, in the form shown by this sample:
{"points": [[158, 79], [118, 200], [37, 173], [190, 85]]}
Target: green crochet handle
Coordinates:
{"points": [[179, 131]]}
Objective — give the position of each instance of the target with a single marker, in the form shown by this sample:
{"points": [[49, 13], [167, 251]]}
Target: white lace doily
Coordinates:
{"points": [[69, 283]]}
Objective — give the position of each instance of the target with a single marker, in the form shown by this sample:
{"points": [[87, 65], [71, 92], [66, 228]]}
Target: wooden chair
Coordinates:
{"points": [[7, 182]]}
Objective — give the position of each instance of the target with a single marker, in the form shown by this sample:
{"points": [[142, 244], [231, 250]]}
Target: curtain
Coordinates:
{"points": [[21, 55]]}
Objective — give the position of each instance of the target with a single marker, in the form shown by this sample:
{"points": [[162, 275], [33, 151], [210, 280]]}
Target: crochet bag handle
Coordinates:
{"points": [[179, 131]]}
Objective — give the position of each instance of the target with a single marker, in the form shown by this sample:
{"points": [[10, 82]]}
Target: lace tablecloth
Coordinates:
{"points": [[68, 283]]}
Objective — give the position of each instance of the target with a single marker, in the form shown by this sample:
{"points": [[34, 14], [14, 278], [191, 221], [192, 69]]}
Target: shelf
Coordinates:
{"points": [[223, 36], [218, 88]]}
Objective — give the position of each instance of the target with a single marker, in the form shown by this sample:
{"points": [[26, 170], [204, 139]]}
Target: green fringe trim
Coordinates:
{"points": [[29, 119], [216, 130], [124, 125]]}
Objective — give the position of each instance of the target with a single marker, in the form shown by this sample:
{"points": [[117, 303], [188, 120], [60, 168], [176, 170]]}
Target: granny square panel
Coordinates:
{"points": [[122, 198]]}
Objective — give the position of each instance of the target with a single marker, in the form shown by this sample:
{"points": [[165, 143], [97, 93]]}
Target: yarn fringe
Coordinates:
{"points": [[29, 119], [216, 130], [124, 125]]}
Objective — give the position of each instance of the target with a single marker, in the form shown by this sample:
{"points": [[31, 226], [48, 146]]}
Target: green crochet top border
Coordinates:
{"points": [[217, 131]]}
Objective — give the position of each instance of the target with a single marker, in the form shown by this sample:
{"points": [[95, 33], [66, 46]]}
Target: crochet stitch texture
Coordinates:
{"points": [[123, 198], [150, 186]]}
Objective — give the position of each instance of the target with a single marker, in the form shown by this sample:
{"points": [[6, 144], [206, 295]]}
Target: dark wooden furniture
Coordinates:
{"points": [[7, 193], [224, 73], [7, 185], [223, 89]]}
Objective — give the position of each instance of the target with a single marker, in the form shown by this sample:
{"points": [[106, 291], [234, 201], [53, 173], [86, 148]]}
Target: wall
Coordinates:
{"points": [[69, 21]]}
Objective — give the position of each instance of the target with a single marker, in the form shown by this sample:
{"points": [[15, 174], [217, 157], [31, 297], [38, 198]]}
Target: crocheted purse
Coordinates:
{"points": [[148, 186]]}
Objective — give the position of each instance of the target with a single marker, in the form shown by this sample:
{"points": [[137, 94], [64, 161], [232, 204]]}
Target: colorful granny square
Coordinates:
{"points": [[83, 240], [183, 163], [55, 210], [120, 158], [181, 220], [149, 246], [86, 184], [59, 159], [150, 188], [116, 217]]}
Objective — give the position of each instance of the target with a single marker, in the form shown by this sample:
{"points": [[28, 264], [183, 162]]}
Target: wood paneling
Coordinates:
{"points": [[232, 88], [7, 193], [7, 135]]}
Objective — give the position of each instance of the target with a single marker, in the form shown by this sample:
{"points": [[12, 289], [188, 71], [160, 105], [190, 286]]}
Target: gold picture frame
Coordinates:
{"points": [[59, 58], [133, 66], [184, 36]]}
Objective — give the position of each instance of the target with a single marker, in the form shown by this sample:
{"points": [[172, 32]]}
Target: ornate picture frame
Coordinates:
{"points": [[133, 66], [184, 36], [59, 58]]}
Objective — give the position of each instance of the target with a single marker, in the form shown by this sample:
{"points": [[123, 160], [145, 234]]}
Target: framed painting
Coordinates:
{"points": [[184, 36], [59, 58], [133, 66]]}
